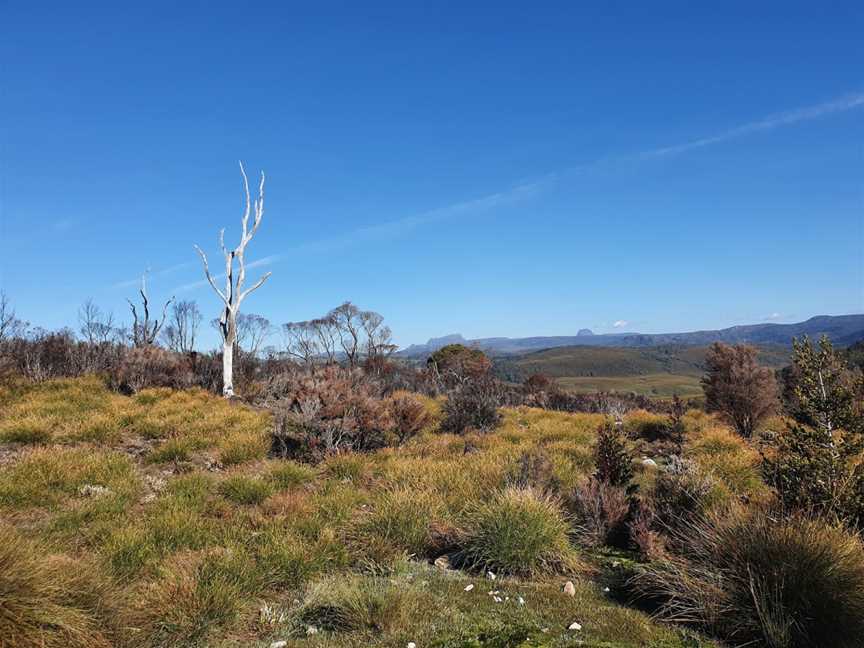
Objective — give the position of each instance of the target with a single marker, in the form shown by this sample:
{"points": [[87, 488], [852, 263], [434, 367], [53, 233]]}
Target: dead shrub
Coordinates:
{"points": [[600, 512]]}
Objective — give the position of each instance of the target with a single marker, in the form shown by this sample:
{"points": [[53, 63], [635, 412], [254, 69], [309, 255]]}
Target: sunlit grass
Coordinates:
{"points": [[185, 527]]}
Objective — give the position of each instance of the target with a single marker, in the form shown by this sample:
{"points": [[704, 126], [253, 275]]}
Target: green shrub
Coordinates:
{"points": [[518, 532], [814, 470], [785, 582], [245, 490], [613, 461]]}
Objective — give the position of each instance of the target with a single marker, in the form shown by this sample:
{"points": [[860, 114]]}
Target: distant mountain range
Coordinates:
{"points": [[843, 330]]}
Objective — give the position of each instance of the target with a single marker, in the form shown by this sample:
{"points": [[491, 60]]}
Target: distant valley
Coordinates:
{"points": [[843, 330], [656, 364]]}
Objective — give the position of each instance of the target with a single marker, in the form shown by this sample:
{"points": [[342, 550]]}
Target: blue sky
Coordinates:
{"points": [[488, 168]]}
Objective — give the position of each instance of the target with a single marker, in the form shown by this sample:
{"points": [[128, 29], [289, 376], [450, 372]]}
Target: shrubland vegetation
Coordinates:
{"points": [[348, 499]]}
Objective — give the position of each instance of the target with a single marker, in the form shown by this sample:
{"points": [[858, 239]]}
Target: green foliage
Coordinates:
{"points": [[825, 389], [815, 464]]}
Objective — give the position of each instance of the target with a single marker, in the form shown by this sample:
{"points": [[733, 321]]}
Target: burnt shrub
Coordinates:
{"points": [[150, 366], [330, 411], [473, 406], [408, 415], [534, 469], [600, 513]]}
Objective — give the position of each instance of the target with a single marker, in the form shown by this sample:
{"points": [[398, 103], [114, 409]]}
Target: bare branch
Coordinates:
{"points": [[257, 285], [207, 273]]}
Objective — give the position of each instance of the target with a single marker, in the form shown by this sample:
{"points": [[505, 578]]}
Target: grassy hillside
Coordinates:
{"points": [[158, 520], [660, 371]]}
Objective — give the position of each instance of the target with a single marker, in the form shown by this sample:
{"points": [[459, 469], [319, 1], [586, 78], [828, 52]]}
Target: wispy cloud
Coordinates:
{"points": [[772, 317], [396, 228], [524, 190], [789, 118], [162, 272], [620, 324]]}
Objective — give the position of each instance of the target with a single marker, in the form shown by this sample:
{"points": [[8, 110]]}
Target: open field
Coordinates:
{"points": [[657, 371], [159, 520], [654, 385]]}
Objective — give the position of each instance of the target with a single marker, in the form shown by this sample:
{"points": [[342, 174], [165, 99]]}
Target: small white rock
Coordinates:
{"points": [[521, 601], [497, 599], [311, 630], [606, 590], [569, 588], [411, 644], [574, 626], [278, 644], [469, 587], [490, 575], [649, 463]]}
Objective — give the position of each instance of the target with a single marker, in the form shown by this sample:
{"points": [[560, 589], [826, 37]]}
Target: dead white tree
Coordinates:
{"points": [[145, 330], [233, 295]]}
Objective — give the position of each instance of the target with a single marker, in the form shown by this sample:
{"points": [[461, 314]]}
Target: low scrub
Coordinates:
{"points": [[472, 407]]}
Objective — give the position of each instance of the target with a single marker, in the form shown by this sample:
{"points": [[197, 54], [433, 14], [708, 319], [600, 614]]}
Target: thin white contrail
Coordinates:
{"points": [[527, 189], [843, 104]]}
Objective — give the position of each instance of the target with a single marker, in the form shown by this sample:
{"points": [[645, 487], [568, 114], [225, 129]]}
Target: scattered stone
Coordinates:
{"points": [[93, 490], [469, 587], [311, 630], [574, 626], [278, 644], [411, 644], [443, 562], [490, 575], [616, 564], [606, 590], [521, 601], [497, 599], [649, 463], [569, 588]]}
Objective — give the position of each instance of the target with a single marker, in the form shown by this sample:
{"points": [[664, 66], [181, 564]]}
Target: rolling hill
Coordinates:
{"points": [[656, 371], [844, 330]]}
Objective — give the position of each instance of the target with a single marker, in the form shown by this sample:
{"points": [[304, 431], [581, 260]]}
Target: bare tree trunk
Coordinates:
{"points": [[234, 294]]}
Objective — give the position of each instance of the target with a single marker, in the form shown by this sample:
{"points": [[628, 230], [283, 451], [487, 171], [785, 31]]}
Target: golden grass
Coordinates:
{"points": [[169, 498]]}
